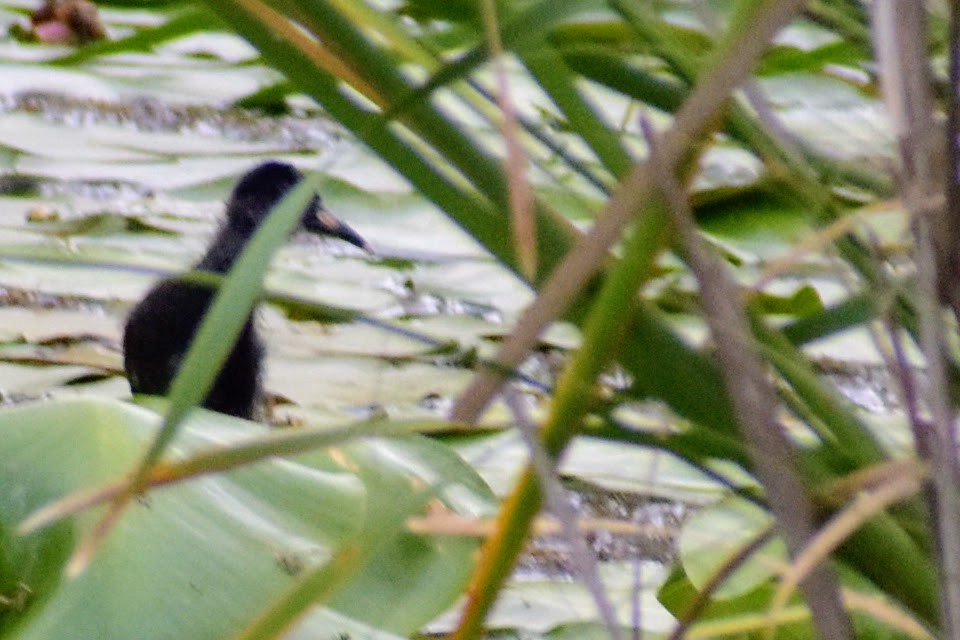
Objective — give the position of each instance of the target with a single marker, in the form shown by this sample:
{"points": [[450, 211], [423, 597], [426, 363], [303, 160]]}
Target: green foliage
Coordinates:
{"points": [[414, 85], [205, 557]]}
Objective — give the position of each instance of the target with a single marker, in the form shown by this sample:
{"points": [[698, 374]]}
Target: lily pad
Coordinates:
{"points": [[713, 537]]}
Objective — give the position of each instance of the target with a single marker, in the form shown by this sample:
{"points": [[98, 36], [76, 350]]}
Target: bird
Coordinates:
{"points": [[161, 327]]}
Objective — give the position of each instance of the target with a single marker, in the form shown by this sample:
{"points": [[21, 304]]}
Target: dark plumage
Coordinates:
{"points": [[160, 328]]}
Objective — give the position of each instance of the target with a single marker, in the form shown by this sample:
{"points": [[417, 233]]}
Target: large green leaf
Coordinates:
{"points": [[200, 559]]}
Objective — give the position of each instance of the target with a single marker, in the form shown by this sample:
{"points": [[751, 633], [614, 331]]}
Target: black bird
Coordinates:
{"points": [[161, 327]]}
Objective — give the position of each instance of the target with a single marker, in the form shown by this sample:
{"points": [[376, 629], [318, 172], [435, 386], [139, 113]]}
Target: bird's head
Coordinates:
{"points": [[262, 188]]}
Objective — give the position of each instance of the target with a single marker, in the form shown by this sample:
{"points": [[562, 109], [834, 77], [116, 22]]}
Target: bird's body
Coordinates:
{"points": [[159, 332], [161, 327]]}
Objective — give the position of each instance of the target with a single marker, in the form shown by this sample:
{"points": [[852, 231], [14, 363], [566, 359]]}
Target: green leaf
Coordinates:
{"points": [[804, 301], [201, 558]]}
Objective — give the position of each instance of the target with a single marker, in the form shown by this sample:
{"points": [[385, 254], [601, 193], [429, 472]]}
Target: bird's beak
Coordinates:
{"points": [[323, 222]]}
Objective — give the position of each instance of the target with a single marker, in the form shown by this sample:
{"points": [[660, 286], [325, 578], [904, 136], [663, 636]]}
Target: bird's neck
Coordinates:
{"points": [[224, 250]]}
